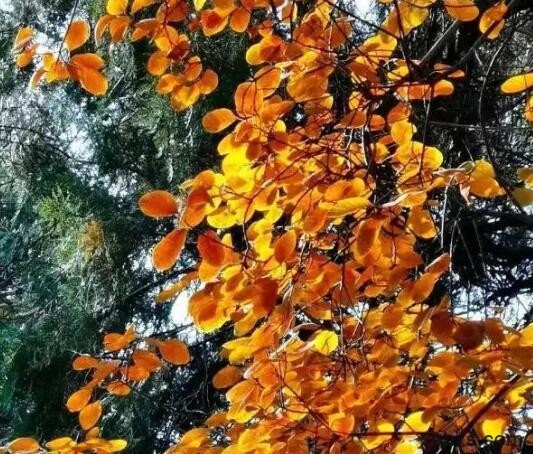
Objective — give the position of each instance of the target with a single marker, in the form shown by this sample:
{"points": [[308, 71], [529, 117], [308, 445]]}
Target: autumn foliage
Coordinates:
{"points": [[339, 344]]}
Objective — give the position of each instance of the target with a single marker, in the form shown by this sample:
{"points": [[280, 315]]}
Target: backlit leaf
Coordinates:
{"points": [[168, 250], [158, 204], [218, 120], [518, 83], [78, 400], [285, 246], [90, 415], [325, 342], [175, 352], [77, 35], [23, 445], [227, 377], [117, 7]]}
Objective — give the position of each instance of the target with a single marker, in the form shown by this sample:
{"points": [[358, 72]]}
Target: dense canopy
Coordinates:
{"points": [[359, 253]]}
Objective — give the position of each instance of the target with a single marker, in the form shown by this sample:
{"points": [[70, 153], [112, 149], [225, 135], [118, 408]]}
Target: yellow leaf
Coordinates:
{"points": [[117, 7], [402, 131], [523, 196], [346, 206], [493, 424], [407, 447], [118, 445], [325, 341], [518, 83], [526, 175], [199, 4], [417, 422]]}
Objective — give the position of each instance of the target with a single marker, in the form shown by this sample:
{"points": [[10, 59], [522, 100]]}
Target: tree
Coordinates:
{"points": [[68, 268], [330, 238]]}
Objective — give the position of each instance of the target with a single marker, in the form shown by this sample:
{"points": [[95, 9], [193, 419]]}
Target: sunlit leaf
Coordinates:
{"points": [[227, 377], [77, 34], [90, 415], [175, 352], [168, 250], [78, 400], [325, 342], [158, 204], [217, 120]]}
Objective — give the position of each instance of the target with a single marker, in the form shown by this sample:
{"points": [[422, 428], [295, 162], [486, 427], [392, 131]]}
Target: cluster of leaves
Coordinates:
{"points": [[68, 268], [309, 243]]}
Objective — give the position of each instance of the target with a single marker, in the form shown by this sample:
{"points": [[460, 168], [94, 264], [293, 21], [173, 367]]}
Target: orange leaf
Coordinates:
{"points": [[211, 249], [84, 362], [463, 10], [158, 204], [146, 359], [208, 82], [141, 4], [285, 246], [227, 377], [240, 19], [24, 36], [212, 22], [117, 388], [93, 81], [136, 373], [367, 234], [79, 400], [217, 120], [247, 99], [77, 35], [168, 250], [174, 351], [469, 334], [158, 63], [23, 445], [90, 415], [493, 18], [87, 60], [59, 444], [421, 223]]}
